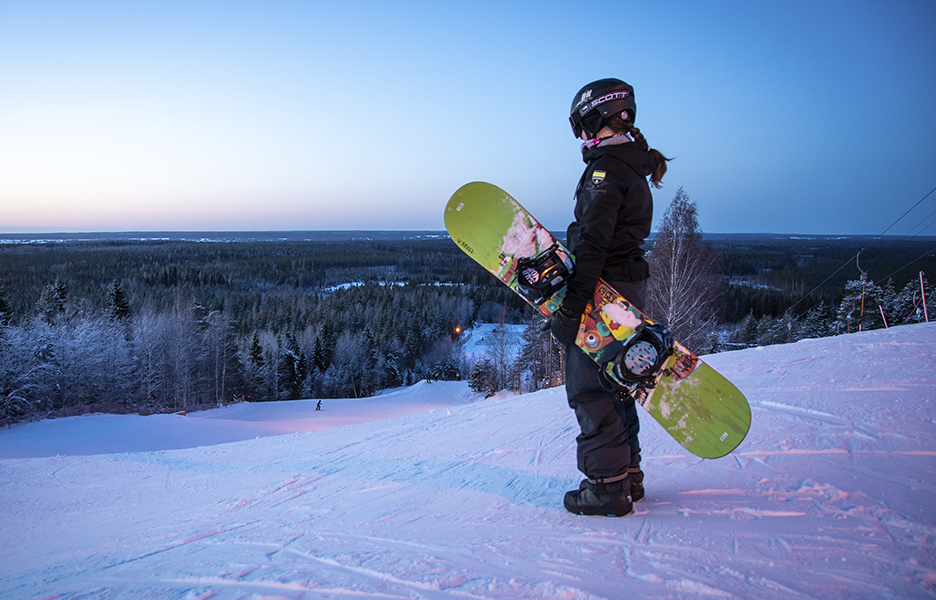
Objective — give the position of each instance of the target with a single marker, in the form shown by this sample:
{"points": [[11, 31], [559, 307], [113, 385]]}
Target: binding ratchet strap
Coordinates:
{"points": [[541, 276], [644, 354]]}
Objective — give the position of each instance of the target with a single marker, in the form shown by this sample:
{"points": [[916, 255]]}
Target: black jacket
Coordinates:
{"points": [[613, 211]]}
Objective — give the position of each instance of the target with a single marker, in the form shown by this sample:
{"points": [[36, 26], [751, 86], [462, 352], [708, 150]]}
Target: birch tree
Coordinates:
{"points": [[501, 350], [683, 291]]}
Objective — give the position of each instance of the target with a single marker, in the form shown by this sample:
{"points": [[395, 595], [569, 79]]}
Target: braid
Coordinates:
{"points": [[659, 170], [634, 131], [659, 161], [619, 125]]}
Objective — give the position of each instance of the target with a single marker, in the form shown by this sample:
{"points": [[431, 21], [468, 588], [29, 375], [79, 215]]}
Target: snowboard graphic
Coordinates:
{"points": [[701, 409]]}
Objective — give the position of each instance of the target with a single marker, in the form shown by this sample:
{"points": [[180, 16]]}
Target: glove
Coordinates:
{"points": [[564, 326]]}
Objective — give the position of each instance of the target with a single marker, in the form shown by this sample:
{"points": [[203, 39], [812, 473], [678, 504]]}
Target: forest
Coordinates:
{"points": [[125, 325], [778, 289]]}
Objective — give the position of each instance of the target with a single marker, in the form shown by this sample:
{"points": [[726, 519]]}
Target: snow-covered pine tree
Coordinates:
{"points": [[483, 378], [118, 307], [53, 302], [908, 305], [539, 354], [888, 302], [289, 381], [6, 313], [814, 324], [858, 310], [747, 333], [772, 330]]}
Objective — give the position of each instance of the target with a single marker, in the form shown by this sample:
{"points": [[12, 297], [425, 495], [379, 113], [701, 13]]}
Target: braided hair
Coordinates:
{"points": [[620, 125]]}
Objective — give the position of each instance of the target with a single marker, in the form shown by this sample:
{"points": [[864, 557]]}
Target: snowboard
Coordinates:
{"points": [[704, 412]]}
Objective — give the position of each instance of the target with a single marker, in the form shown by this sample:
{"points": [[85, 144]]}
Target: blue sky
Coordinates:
{"points": [[787, 117]]}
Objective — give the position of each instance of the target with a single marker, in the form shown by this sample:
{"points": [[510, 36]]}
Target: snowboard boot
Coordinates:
{"points": [[636, 477], [605, 497]]}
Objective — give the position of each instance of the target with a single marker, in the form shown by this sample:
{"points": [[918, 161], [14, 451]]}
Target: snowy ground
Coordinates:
{"points": [[430, 492]]}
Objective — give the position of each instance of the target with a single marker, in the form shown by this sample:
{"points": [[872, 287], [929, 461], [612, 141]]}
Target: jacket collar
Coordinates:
{"points": [[635, 154], [619, 138]]}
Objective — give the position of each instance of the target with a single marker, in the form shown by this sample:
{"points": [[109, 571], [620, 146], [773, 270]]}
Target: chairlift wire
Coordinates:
{"points": [[930, 251], [921, 224], [855, 258], [908, 211]]}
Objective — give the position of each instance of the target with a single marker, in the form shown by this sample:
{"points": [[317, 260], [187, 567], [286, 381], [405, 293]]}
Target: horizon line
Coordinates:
{"points": [[269, 232]]}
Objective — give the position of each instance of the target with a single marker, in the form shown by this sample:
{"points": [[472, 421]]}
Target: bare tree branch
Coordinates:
{"points": [[684, 285]]}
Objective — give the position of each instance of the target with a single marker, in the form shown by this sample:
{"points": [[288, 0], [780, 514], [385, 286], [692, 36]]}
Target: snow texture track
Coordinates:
{"points": [[832, 495]]}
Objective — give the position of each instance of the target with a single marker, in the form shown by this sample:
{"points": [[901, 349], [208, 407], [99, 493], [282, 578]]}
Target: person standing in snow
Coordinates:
{"points": [[613, 212]]}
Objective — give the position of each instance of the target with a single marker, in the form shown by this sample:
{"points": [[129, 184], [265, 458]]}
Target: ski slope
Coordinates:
{"points": [[432, 492]]}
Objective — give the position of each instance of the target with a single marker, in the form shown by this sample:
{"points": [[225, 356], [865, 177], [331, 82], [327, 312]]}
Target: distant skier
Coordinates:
{"points": [[613, 211], [319, 405]]}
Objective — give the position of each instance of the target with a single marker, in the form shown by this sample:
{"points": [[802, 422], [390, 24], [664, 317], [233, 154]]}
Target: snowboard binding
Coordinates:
{"points": [[638, 362], [541, 276]]}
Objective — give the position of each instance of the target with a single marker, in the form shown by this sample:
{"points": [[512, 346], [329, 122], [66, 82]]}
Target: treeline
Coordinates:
{"points": [[863, 307], [730, 292], [768, 275], [168, 326], [355, 341], [171, 325], [255, 283], [783, 290]]}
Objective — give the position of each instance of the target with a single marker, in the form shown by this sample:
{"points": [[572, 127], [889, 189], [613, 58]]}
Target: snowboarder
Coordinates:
{"points": [[613, 211]]}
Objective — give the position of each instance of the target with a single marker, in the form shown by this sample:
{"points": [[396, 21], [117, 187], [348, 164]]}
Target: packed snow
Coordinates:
{"points": [[433, 492]]}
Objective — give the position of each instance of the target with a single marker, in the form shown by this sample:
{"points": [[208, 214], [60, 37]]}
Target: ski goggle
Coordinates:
{"points": [[590, 122]]}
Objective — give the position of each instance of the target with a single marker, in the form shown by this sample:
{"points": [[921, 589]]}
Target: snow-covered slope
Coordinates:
{"points": [[105, 434], [432, 492]]}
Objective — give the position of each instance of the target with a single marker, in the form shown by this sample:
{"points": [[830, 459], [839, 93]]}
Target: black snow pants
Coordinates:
{"points": [[608, 444]]}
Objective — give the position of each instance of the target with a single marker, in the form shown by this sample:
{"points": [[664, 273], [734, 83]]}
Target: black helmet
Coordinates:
{"points": [[597, 101]]}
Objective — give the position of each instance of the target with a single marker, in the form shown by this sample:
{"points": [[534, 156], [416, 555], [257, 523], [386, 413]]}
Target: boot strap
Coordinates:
{"points": [[609, 479]]}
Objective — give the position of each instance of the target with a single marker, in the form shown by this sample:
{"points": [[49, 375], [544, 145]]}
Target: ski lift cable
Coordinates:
{"points": [[930, 251], [810, 292], [920, 232], [923, 223], [855, 258], [881, 235], [899, 219], [925, 226], [908, 211], [930, 224]]}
